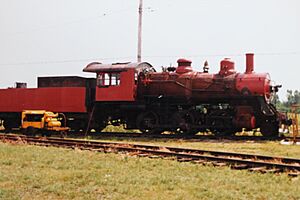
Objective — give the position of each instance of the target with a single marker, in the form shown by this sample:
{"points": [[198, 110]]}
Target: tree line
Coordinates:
{"points": [[293, 97]]}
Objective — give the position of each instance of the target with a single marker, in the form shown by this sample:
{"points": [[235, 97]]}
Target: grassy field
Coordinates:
{"points": [[29, 172]]}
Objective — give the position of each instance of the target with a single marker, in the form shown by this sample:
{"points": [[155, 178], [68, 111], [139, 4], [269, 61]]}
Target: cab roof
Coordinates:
{"points": [[97, 67], [34, 111]]}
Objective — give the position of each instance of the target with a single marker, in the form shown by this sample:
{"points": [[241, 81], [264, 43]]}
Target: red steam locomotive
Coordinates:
{"points": [[177, 99]]}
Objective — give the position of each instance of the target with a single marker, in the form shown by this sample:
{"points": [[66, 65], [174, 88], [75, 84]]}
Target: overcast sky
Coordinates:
{"points": [[60, 37]]}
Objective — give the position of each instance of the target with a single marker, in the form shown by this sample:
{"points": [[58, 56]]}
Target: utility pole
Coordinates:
{"points": [[139, 53]]}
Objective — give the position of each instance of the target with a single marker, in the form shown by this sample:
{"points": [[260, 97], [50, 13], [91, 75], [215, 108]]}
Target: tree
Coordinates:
{"points": [[275, 100], [293, 97]]}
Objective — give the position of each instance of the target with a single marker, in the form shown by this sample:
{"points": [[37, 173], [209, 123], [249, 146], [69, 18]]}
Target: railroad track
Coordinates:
{"points": [[250, 162], [240, 138], [176, 136]]}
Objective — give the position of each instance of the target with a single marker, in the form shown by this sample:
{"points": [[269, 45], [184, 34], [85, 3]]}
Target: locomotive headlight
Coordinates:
{"points": [[275, 88]]}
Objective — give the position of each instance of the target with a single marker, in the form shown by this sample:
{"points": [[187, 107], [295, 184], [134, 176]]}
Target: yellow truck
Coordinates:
{"points": [[43, 122]]}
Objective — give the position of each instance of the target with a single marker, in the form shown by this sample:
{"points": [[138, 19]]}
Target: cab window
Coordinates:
{"points": [[108, 79], [33, 117]]}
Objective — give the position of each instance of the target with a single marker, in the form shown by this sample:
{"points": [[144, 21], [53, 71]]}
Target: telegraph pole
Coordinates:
{"points": [[139, 53]]}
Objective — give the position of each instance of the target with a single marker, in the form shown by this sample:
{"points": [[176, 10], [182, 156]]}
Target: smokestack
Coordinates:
{"points": [[249, 63]]}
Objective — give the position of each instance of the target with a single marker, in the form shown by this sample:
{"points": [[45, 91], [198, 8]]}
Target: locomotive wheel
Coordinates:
{"points": [[183, 121], [269, 129], [147, 123], [217, 127], [225, 132]]}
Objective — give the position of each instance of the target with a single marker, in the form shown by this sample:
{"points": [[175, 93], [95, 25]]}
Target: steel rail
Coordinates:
{"points": [[176, 136], [180, 136], [247, 160], [196, 151]]}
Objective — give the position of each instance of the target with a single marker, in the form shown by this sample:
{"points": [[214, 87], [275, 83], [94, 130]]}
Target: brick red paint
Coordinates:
{"points": [[202, 87], [226, 67], [59, 99], [126, 91], [249, 63], [184, 66], [257, 84]]}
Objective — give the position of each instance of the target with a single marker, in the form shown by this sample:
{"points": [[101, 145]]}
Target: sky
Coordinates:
{"points": [[60, 37]]}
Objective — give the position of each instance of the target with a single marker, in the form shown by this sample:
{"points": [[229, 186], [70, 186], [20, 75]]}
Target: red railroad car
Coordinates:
{"points": [[70, 95]]}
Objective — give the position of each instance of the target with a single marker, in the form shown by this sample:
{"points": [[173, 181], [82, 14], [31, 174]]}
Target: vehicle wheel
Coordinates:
{"points": [[31, 131], [63, 134], [183, 122], [192, 132], [147, 122], [269, 129], [46, 133], [226, 132], [218, 132], [218, 128]]}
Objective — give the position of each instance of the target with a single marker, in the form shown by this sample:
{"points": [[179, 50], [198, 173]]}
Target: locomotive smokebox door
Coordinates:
{"points": [[117, 82]]}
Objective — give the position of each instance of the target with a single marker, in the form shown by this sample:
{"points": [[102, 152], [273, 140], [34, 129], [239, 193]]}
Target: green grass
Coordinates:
{"points": [[29, 172], [118, 129]]}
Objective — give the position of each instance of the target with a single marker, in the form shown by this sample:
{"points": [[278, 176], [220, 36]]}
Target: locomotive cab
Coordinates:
{"points": [[118, 81]]}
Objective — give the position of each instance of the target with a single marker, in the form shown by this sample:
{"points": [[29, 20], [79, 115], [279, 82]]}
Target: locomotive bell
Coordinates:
{"points": [[184, 66], [205, 67]]}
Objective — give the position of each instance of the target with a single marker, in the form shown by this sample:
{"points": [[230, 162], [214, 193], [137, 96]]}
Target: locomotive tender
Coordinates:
{"points": [[178, 99]]}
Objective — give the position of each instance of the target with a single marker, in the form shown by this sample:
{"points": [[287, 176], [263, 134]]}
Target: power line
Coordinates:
{"points": [[77, 21], [63, 61], [149, 56], [224, 55], [66, 23]]}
